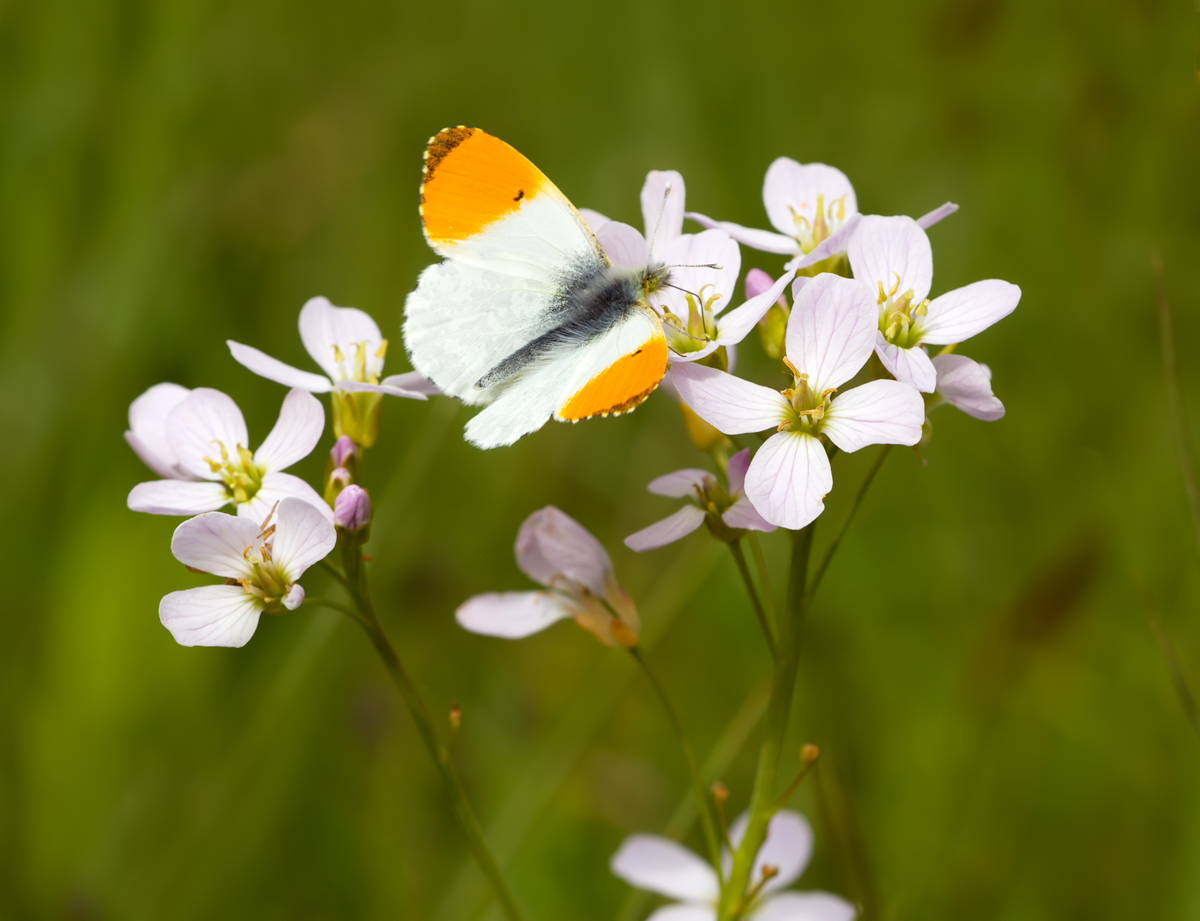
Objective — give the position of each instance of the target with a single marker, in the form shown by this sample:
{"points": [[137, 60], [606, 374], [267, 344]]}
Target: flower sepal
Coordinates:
{"points": [[356, 415]]}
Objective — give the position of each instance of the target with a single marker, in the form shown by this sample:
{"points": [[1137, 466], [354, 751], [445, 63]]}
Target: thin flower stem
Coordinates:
{"points": [[697, 781], [735, 547], [335, 572], [333, 606], [1182, 689], [764, 575]]}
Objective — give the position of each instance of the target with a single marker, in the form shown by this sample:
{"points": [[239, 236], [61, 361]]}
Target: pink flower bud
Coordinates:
{"points": [[757, 281], [341, 476], [343, 449], [352, 510]]}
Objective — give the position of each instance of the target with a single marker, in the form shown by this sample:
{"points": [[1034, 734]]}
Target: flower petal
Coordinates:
{"points": [[743, 514], [663, 195], [215, 543], [212, 615], [681, 484], [689, 257], [735, 471], [594, 219], [876, 413], [275, 370], [968, 311], [412, 382], [684, 912], [294, 597], [551, 544], [326, 330], [512, 615], [664, 866], [929, 219], [734, 326], [303, 536], [147, 433], [728, 403], [831, 332], [789, 479], [912, 366], [279, 486], [762, 240], [787, 847], [967, 384], [667, 531], [805, 906], [296, 433], [884, 248], [201, 426], [177, 497], [791, 189], [624, 245], [362, 387], [835, 243]]}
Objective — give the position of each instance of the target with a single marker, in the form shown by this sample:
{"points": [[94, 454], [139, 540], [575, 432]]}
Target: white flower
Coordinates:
{"points": [[966, 384], [198, 440], [892, 258], [668, 868], [727, 507], [260, 563], [830, 335]]}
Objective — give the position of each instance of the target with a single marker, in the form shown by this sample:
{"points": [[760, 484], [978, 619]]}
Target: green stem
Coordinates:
{"points": [[702, 804], [346, 609], [356, 584], [764, 575], [735, 547]]}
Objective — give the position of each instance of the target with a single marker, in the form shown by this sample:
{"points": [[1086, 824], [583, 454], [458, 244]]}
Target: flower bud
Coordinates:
{"points": [[352, 509], [757, 281], [343, 449]]}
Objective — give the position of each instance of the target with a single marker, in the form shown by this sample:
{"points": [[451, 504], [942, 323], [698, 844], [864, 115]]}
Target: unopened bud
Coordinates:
{"points": [[340, 476], [455, 716], [757, 281], [343, 449], [720, 792], [769, 871], [809, 753], [352, 510], [623, 634]]}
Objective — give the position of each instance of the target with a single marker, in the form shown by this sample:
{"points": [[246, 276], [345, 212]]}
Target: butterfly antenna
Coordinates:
{"points": [[661, 209], [707, 265]]}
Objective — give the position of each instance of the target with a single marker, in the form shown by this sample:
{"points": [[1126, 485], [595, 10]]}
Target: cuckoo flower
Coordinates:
{"points": [[556, 551], [201, 445], [668, 868], [348, 346], [966, 384], [892, 258], [772, 325], [830, 335], [260, 563], [726, 511]]}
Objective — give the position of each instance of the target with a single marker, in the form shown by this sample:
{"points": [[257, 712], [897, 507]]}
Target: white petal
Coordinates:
{"points": [[383, 387], [296, 433], [663, 195], [789, 479], [212, 615], [624, 246], [200, 426], [876, 413], [967, 384], [912, 366], [303, 536], [735, 471], [734, 326], [805, 906], [937, 214], [412, 382], [968, 311], [177, 497], [594, 219], [147, 433], [294, 597], [787, 847], [511, 615], [791, 189], [686, 255], [324, 327], [667, 531], [682, 912], [279, 486], [273, 369], [831, 332], [835, 243], [215, 543], [551, 544], [681, 484], [743, 514], [883, 248], [728, 403], [666, 867], [762, 240]]}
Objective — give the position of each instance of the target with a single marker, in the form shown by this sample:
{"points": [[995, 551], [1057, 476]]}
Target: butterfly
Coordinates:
{"points": [[525, 315]]}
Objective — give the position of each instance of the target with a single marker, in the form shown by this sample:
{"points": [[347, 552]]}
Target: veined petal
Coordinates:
{"points": [[296, 433], [200, 426], [667, 531], [743, 514], [275, 370], [893, 251], [805, 906], [594, 219], [681, 484], [303, 536], [791, 189], [787, 847], [831, 331], [835, 243], [552, 544], [968, 311], [875, 413], [215, 543], [967, 384], [212, 615], [512, 615], [177, 497], [412, 382], [326, 331], [275, 488], [684, 912], [656, 201], [624, 245], [730, 404], [789, 479], [912, 366], [734, 326], [735, 471], [762, 240], [689, 256], [147, 433], [666, 867], [361, 387], [929, 219]]}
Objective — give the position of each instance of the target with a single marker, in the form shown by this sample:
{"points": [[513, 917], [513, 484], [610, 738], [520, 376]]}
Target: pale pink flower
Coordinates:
{"points": [[830, 336], [666, 867], [352, 508], [200, 443], [728, 509], [892, 259], [556, 551], [966, 384], [261, 564]]}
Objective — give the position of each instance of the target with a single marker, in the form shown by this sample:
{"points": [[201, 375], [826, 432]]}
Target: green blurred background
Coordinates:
{"points": [[1001, 737]]}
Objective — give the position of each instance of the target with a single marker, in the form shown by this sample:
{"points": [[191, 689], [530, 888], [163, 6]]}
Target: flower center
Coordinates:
{"points": [[241, 476], [362, 367], [689, 334], [268, 583], [807, 406], [899, 316], [825, 221]]}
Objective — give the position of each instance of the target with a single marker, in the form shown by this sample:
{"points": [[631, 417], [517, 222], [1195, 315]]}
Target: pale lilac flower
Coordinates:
{"points": [[556, 551], [668, 868], [261, 564], [201, 444], [830, 336], [892, 259], [728, 510], [966, 384], [352, 508]]}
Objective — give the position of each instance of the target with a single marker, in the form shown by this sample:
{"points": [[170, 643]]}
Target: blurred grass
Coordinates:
{"points": [[992, 708]]}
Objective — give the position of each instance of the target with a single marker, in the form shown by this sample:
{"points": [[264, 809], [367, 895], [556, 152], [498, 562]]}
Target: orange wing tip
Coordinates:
{"points": [[620, 387], [441, 145]]}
